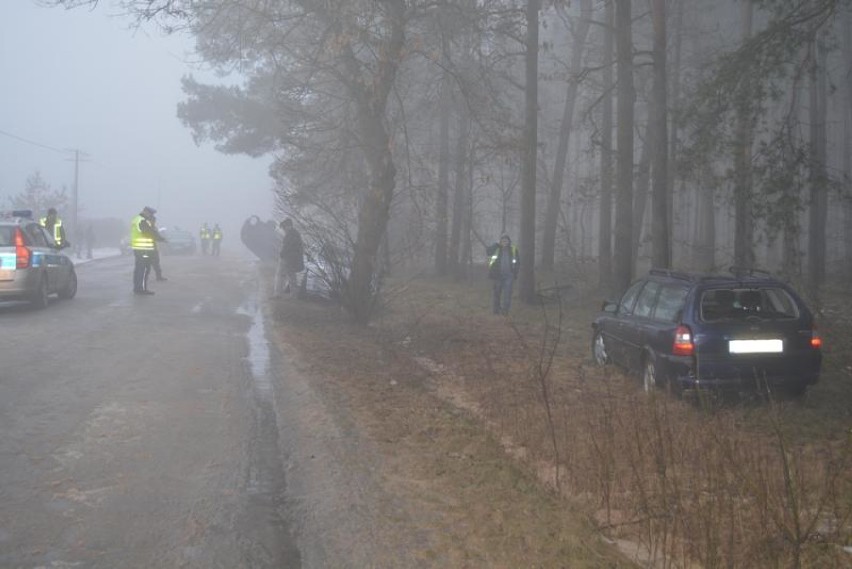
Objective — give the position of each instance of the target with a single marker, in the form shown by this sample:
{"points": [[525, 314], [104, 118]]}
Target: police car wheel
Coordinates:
{"points": [[70, 288], [39, 296]]}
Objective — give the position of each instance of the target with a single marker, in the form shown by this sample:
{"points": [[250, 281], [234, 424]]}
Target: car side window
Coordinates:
{"points": [[646, 300], [670, 303], [36, 235], [629, 297]]}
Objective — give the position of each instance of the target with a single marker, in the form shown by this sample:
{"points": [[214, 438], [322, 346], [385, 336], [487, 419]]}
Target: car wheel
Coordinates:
{"points": [[70, 288], [599, 349], [39, 299], [649, 374]]}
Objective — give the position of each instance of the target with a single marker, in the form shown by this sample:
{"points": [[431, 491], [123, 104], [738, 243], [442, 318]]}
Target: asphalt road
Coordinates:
{"points": [[144, 431]]}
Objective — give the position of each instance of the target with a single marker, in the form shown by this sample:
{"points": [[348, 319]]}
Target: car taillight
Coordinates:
{"points": [[683, 345], [23, 255], [816, 339]]}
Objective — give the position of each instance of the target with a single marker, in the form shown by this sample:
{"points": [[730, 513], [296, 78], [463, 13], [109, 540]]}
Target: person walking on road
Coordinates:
{"points": [[204, 237], [216, 242], [143, 240], [503, 266], [89, 240], [291, 261]]}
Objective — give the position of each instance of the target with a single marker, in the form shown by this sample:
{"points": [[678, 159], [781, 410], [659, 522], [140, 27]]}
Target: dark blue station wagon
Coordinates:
{"points": [[741, 332]]}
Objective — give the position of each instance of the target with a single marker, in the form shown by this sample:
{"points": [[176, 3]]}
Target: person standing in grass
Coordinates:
{"points": [[503, 265], [291, 261]]}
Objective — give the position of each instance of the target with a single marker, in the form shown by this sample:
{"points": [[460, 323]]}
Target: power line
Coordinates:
{"points": [[16, 137]]}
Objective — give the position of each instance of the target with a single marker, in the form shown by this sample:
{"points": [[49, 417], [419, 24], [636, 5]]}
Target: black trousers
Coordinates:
{"points": [[141, 269], [155, 263]]}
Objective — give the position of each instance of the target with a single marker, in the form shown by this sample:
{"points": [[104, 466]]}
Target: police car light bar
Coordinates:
{"points": [[25, 213]]}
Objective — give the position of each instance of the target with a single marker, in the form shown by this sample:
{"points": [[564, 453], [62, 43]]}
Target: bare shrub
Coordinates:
{"points": [[687, 485]]}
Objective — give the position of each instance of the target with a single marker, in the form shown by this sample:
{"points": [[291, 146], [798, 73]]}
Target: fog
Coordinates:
{"points": [[83, 80]]}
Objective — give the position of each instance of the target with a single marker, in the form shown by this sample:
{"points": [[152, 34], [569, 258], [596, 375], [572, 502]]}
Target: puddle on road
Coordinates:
{"points": [[268, 539], [258, 350]]}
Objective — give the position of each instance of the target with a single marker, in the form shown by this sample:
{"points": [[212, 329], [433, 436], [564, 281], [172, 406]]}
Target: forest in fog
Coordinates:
{"points": [[626, 134]]}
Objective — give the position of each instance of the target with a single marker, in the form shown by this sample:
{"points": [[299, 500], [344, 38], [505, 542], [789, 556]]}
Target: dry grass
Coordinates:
{"points": [[754, 485]]}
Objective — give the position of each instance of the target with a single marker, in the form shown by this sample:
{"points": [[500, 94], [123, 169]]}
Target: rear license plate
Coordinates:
{"points": [[6, 275], [756, 346]]}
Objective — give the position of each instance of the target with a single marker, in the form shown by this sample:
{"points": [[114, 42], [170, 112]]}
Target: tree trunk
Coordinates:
{"points": [[372, 217], [847, 201], [548, 244], [467, 223], [674, 143], [605, 223], [528, 189], [706, 227], [847, 141], [642, 187], [374, 209], [744, 224], [459, 190], [660, 219], [818, 160], [443, 178], [623, 257]]}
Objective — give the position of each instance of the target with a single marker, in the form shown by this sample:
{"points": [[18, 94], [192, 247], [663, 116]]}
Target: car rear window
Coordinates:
{"points": [[7, 236], [36, 235], [738, 303]]}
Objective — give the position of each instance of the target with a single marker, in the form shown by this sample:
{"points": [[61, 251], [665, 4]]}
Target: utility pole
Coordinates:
{"points": [[75, 192]]}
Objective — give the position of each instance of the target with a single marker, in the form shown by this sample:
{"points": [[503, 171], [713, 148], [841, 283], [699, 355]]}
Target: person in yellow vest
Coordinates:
{"points": [[217, 240], [53, 224], [503, 266], [143, 240], [204, 237]]}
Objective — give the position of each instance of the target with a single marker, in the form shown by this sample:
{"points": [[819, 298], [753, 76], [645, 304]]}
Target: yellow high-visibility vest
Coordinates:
{"points": [[57, 231], [139, 240], [496, 256]]}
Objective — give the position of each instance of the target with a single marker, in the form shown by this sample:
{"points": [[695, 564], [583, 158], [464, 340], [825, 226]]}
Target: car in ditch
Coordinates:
{"points": [[744, 331], [32, 265]]}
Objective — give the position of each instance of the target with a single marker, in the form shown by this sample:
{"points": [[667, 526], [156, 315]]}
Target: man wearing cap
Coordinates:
{"points": [[503, 266], [143, 241]]}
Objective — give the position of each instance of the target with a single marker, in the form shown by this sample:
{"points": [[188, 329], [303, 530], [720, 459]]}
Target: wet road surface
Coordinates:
{"points": [[142, 431]]}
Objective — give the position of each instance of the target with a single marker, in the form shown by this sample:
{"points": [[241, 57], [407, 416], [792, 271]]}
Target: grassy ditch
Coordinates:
{"points": [[761, 484]]}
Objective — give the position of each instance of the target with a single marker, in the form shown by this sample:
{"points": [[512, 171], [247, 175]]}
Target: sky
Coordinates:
{"points": [[82, 80]]}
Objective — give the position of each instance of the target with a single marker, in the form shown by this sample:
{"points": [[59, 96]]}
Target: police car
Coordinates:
{"points": [[32, 265]]}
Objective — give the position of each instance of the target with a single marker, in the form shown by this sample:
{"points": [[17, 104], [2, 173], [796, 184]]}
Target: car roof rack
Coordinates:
{"points": [[674, 274], [741, 272], [736, 273]]}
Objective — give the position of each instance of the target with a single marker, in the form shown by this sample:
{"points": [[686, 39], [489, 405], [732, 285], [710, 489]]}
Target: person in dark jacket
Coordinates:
{"points": [[89, 240], [54, 226], [503, 266], [291, 261]]}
